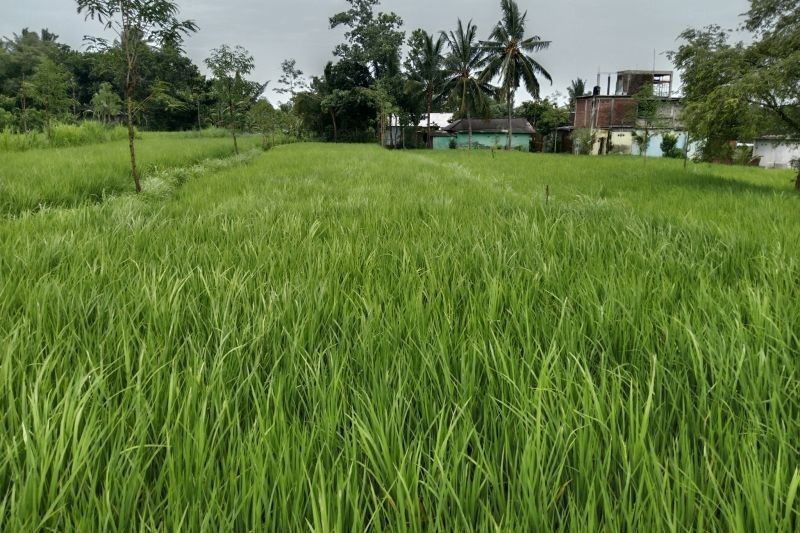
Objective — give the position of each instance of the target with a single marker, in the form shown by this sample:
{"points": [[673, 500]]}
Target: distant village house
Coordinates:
{"points": [[612, 118], [486, 133]]}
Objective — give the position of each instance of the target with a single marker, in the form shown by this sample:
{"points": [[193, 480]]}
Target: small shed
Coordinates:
{"points": [[486, 133], [776, 152]]}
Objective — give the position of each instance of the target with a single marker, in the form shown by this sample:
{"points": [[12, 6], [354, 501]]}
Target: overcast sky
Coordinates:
{"points": [[587, 35]]}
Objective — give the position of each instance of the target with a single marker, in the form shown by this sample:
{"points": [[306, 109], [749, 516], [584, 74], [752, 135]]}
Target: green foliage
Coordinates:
{"points": [[235, 95], [425, 69], [50, 84], [106, 104], [343, 338], [738, 90], [577, 88], [509, 57], [583, 140], [68, 175], [742, 155], [669, 145], [544, 115], [372, 39], [61, 135], [463, 87]]}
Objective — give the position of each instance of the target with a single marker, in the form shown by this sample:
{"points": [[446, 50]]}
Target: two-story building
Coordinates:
{"points": [[613, 119]]}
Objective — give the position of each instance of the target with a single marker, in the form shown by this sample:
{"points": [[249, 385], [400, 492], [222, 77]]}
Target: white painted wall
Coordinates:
{"points": [[775, 154]]}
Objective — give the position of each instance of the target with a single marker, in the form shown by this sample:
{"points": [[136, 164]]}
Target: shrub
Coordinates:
{"points": [[669, 146], [582, 141], [742, 155]]}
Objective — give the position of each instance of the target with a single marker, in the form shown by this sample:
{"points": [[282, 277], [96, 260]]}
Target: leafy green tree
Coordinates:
{"points": [[509, 57], [264, 119], [136, 24], [339, 99], [647, 116], [51, 84], [463, 85], [714, 115], [545, 116], [373, 39], [21, 57], [332, 104], [229, 65], [739, 89], [106, 104], [425, 69]]}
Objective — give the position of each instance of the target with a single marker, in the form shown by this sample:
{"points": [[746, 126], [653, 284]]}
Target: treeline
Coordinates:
{"points": [[43, 80], [371, 85]]}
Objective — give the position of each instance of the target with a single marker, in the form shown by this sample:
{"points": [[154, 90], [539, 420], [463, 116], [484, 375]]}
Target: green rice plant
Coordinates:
{"points": [[62, 177], [345, 338], [61, 135]]}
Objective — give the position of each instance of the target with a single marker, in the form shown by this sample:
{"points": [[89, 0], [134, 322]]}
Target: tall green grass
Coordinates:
{"points": [[343, 338], [60, 136], [68, 177]]}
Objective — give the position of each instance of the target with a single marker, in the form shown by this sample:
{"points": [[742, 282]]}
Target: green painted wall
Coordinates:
{"points": [[520, 141]]}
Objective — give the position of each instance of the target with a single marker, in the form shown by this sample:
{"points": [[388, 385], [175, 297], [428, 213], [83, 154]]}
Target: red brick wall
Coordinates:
{"points": [[611, 111]]}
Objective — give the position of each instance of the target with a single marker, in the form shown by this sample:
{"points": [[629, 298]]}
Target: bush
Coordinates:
{"points": [[669, 146], [742, 155], [582, 141]]}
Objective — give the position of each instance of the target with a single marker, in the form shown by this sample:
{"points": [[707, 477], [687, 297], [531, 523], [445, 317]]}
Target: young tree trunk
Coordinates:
{"points": [[199, 122], [333, 119], [797, 181], [430, 104], [233, 126], [686, 151], [24, 105], [510, 136], [391, 131], [131, 138], [469, 129]]}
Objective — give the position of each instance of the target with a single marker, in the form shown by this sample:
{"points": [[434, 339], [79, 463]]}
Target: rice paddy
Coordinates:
{"points": [[343, 338]]}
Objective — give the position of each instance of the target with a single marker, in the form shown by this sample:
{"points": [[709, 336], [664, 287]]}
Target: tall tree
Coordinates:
{"points": [[647, 116], [739, 89], [291, 81], [137, 24], [51, 84], [463, 85], [425, 68], [509, 57], [229, 65], [373, 39]]}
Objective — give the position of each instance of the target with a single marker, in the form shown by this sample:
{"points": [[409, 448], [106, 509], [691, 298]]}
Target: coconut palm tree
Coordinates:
{"points": [[576, 89], [463, 85], [509, 57], [425, 68]]}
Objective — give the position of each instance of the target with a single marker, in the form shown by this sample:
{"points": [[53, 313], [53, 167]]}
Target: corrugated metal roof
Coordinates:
{"points": [[494, 125]]}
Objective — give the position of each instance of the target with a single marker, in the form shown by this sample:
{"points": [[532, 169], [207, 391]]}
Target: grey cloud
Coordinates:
{"points": [[587, 35]]}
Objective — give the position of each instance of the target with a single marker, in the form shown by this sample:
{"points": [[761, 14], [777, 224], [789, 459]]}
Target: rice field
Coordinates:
{"points": [[68, 177], [342, 338]]}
